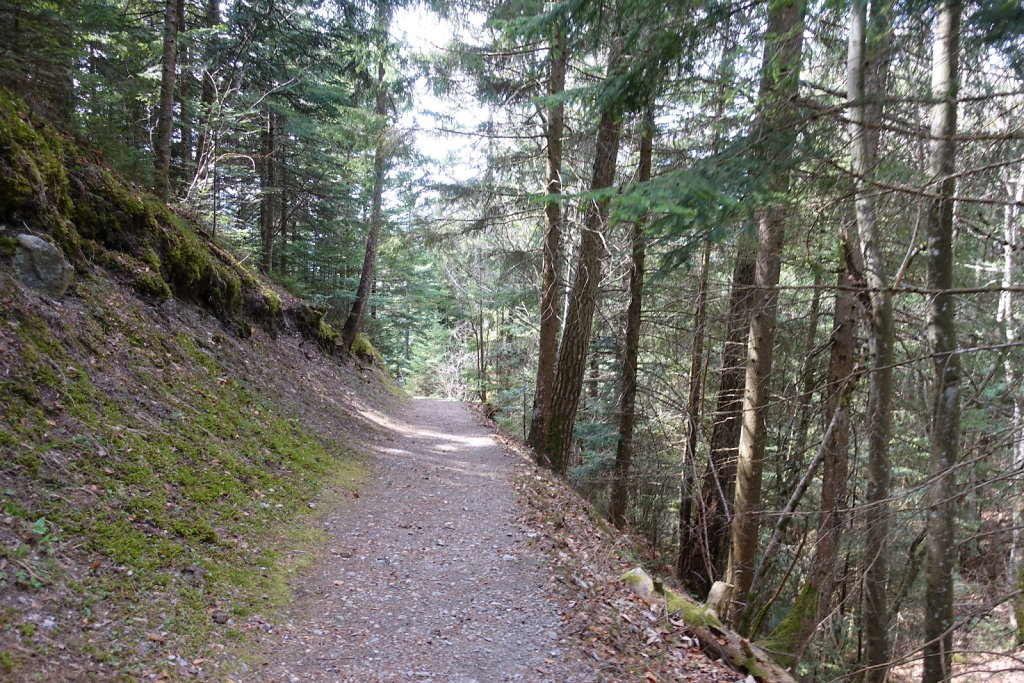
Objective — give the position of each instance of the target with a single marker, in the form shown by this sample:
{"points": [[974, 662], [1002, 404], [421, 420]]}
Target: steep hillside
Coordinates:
{"points": [[164, 426]]}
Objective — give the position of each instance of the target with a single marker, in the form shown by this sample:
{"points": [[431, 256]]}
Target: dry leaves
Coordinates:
{"points": [[617, 629]]}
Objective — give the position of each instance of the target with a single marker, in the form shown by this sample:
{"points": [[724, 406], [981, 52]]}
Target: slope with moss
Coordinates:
{"points": [[164, 429]]}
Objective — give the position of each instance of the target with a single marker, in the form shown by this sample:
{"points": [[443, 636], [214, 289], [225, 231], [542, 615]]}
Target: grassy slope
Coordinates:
{"points": [[163, 430]]}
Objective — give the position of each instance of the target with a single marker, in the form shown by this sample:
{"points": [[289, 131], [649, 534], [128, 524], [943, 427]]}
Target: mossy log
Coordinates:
{"points": [[715, 638]]}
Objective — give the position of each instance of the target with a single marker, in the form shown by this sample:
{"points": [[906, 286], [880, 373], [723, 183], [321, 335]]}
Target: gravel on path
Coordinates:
{"points": [[428, 577]]}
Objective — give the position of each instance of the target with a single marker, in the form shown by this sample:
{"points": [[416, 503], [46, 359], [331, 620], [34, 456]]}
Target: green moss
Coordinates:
{"points": [[691, 612], [780, 642], [129, 440], [273, 302], [7, 663], [328, 336], [8, 245], [152, 259], [151, 284], [363, 349], [675, 604], [33, 177]]}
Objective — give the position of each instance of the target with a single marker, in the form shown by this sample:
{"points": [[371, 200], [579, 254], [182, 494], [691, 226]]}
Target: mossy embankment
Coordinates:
{"points": [[166, 430]]}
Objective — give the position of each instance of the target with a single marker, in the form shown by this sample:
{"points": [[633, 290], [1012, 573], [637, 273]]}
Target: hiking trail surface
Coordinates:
{"points": [[429, 576]]}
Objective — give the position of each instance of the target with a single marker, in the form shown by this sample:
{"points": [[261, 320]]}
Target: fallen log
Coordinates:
{"points": [[715, 638]]}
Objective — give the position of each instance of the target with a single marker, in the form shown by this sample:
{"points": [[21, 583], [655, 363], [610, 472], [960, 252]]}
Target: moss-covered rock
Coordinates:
{"points": [[34, 186], [47, 184], [311, 324], [365, 351]]}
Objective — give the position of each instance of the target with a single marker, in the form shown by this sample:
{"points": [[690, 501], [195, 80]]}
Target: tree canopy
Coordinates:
{"points": [[747, 274]]}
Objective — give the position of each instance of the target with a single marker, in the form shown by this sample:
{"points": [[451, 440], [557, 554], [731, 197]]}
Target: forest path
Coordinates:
{"points": [[428, 576]]}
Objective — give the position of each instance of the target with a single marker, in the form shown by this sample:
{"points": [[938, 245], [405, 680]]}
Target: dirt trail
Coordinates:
{"points": [[428, 576]]}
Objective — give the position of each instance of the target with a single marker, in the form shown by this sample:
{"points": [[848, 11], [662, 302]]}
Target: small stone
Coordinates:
{"points": [[219, 617]]}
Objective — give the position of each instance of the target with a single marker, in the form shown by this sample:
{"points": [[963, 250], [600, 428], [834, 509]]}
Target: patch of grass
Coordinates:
{"points": [[7, 664]]}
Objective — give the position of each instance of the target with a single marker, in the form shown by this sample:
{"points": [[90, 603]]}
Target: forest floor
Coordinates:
{"points": [[462, 562]]}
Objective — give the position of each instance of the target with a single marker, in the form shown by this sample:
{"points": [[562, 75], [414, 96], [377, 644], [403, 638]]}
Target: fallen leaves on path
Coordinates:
{"points": [[632, 640]]}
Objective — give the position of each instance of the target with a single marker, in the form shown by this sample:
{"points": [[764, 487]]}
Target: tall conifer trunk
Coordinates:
{"points": [[1009, 320], [549, 290], [575, 344], [165, 110], [780, 82], [704, 552], [868, 58], [706, 511], [579, 319], [795, 630], [627, 406], [354, 322], [945, 430], [688, 533], [206, 153], [269, 190], [185, 124]]}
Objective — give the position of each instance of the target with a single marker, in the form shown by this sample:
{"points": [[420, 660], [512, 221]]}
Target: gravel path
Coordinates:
{"points": [[428, 576]]}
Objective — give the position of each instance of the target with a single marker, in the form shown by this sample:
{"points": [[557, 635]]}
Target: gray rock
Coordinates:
{"points": [[42, 266]]}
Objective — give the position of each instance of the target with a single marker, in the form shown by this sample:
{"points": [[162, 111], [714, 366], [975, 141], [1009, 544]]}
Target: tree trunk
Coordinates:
{"points": [[1006, 316], [572, 352], [206, 154], [549, 290], [795, 630], [780, 82], [945, 431], [185, 124], [687, 531], [706, 546], [627, 410], [354, 322], [283, 199], [807, 378], [868, 60], [704, 516], [165, 110], [269, 188]]}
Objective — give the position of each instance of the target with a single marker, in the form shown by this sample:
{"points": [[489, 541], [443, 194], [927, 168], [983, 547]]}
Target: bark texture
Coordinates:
{"points": [[780, 81], [572, 352], [269, 189], [165, 109], [549, 290], [354, 322], [627, 406], [945, 432], [704, 551], [868, 58], [688, 533], [794, 632], [1008, 319]]}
